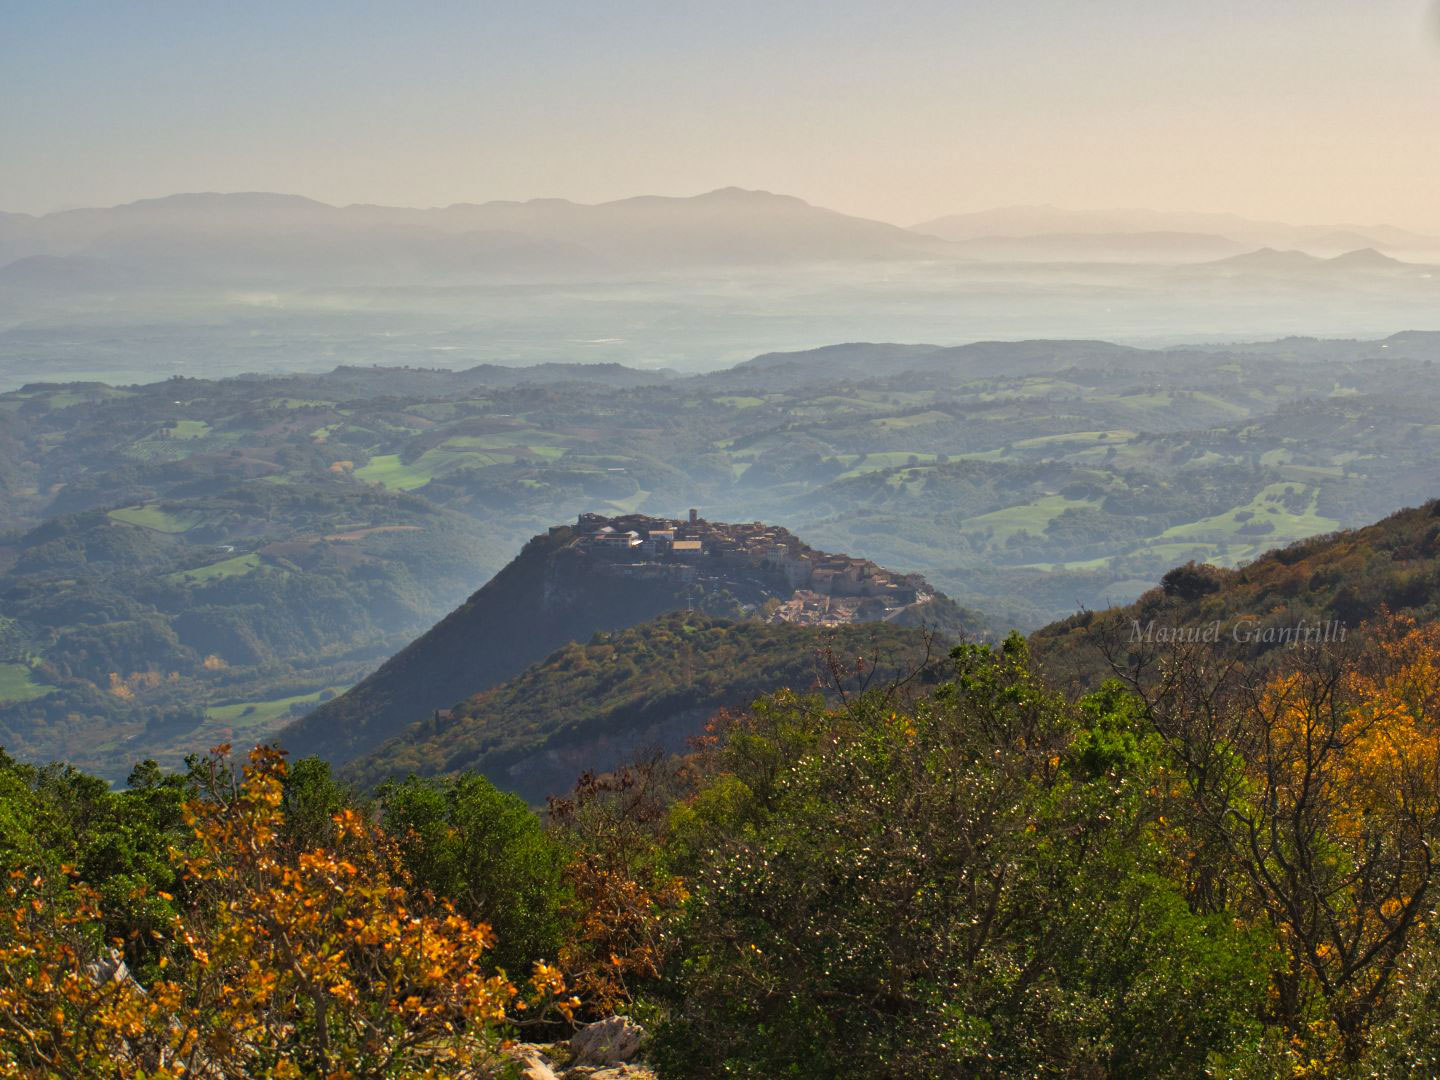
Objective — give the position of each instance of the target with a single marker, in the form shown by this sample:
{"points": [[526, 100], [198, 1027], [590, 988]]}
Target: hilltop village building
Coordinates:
{"points": [[808, 586]]}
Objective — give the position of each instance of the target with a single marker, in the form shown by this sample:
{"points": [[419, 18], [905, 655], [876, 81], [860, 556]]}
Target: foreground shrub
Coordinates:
{"points": [[488, 853], [969, 886]]}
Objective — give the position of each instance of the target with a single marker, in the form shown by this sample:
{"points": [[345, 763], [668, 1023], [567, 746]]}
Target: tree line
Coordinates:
{"points": [[1205, 869]]}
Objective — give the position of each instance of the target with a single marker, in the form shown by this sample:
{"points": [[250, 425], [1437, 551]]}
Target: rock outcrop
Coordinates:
{"points": [[604, 1050], [616, 1040]]}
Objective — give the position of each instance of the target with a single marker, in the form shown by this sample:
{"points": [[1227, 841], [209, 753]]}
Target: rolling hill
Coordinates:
{"points": [[1027, 478], [977, 360], [1335, 581], [153, 628]]}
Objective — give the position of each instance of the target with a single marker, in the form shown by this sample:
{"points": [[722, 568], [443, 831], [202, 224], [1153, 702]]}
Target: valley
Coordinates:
{"points": [[197, 560], [719, 542]]}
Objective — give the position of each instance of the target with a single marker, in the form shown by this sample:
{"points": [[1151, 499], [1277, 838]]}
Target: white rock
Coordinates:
{"points": [[534, 1065], [612, 1041]]}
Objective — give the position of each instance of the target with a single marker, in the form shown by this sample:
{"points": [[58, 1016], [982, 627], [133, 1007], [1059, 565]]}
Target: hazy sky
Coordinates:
{"points": [[1308, 110]]}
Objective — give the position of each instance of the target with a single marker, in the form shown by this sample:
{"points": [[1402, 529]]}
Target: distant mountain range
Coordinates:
{"points": [[193, 240], [267, 236], [1034, 222], [1123, 247], [1273, 261], [70, 274]]}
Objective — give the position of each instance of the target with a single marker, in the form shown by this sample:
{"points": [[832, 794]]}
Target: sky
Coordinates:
{"points": [[1312, 111]]}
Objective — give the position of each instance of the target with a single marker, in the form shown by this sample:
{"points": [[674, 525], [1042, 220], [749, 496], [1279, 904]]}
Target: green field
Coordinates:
{"points": [[17, 683], [630, 505], [240, 564], [931, 416], [188, 429], [508, 445], [1267, 506], [1238, 411], [502, 440], [250, 714], [1076, 438], [1032, 517], [882, 459], [150, 516], [388, 471]]}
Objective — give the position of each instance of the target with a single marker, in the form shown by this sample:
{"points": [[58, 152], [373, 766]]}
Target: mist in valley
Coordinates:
{"points": [[221, 287]]}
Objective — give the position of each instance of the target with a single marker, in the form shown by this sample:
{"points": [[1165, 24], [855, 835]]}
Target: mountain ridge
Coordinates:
{"points": [[1302, 265], [210, 230], [606, 574]]}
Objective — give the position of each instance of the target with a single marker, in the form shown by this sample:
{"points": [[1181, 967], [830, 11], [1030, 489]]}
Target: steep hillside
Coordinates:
{"points": [[609, 574], [1325, 587], [161, 626], [594, 705]]}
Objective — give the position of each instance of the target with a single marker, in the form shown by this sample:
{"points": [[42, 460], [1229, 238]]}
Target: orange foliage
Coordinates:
{"points": [[138, 682], [623, 899], [1393, 739], [316, 964], [63, 1012], [618, 941], [1343, 792]]}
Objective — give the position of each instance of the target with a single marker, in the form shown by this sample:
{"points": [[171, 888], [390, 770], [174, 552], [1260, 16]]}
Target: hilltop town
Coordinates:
{"points": [[768, 567]]}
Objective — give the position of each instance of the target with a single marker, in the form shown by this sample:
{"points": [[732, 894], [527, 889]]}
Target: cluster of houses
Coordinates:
{"points": [[817, 587]]}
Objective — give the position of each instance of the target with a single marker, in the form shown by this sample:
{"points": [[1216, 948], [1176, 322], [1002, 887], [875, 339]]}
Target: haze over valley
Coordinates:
{"points": [[189, 559], [648, 541], [227, 284]]}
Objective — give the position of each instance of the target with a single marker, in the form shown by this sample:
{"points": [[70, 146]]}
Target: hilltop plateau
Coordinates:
{"points": [[607, 574]]}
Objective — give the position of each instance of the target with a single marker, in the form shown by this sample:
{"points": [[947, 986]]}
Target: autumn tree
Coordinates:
{"points": [[1310, 802], [320, 961], [68, 1008], [623, 890]]}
